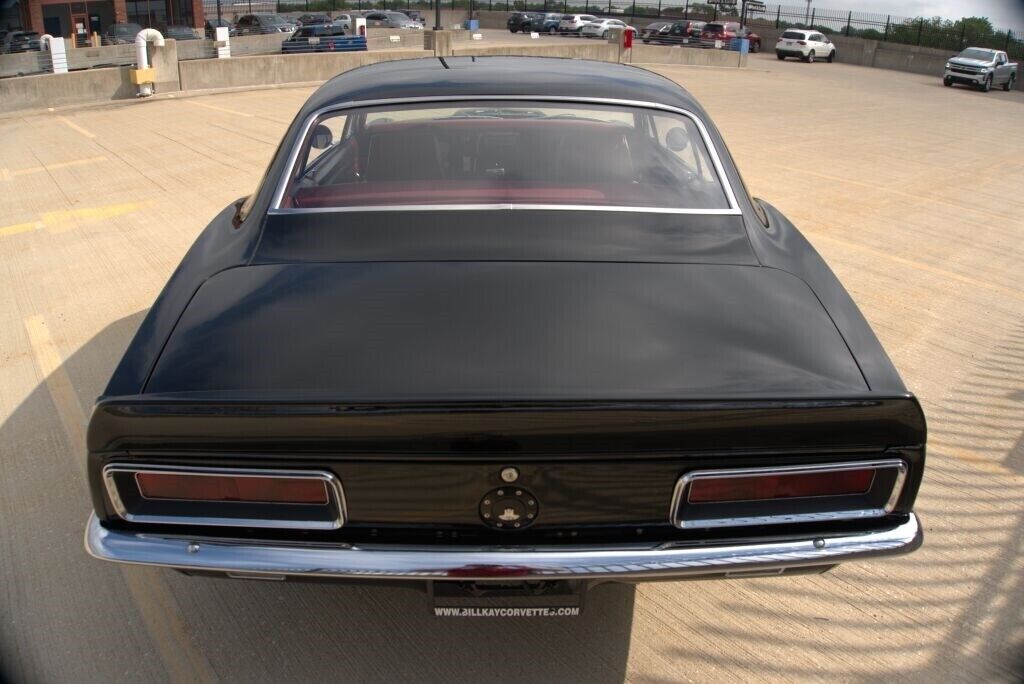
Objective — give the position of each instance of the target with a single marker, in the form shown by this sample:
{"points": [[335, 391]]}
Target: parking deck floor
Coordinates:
{"points": [[911, 191]]}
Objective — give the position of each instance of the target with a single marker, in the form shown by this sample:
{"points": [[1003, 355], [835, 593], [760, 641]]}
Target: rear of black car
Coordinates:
{"points": [[503, 339]]}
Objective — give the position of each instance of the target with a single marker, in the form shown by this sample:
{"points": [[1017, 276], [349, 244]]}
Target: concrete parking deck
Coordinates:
{"points": [[911, 191]]}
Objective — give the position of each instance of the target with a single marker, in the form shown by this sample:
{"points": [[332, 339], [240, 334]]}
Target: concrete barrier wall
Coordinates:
{"points": [[596, 50], [88, 85], [658, 54], [56, 90], [24, 63], [205, 74]]}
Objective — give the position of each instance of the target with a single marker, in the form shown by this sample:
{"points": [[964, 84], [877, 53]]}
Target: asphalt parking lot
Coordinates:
{"points": [[911, 191]]}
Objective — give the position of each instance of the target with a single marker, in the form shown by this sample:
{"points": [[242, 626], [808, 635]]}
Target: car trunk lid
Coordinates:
{"points": [[457, 331]]}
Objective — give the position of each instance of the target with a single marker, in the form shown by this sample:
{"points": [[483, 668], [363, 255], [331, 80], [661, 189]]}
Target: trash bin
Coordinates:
{"points": [[472, 24]]}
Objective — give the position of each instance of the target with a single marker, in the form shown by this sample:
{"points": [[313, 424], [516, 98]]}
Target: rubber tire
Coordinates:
{"points": [[810, 57], [552, 31], [987, 85], [604, 35], [780, 56], [947, 82], [512, 30], [1008, 86], [831, 56]]}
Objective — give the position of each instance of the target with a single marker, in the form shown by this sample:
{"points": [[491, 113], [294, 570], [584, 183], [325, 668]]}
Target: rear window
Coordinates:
{"points": [[713, 28], [504, 153], [794, 35]]}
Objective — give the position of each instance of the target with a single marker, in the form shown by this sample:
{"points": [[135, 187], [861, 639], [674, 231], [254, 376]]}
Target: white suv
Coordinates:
{"points": [[807, 45], [574, 23]]}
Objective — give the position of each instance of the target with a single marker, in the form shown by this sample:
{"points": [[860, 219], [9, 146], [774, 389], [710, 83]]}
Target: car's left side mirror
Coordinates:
{"points": [[322, 137]]}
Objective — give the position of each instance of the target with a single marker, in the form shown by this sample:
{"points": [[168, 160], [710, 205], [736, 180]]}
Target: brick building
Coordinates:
{"points": [[63, 18]]}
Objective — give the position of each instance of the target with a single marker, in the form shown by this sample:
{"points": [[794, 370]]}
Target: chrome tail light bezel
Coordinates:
{"points": [[879, 501], [125, 496]]}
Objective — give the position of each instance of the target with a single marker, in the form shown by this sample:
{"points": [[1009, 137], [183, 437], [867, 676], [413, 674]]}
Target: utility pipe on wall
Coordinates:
{"points": [[143, 75]]}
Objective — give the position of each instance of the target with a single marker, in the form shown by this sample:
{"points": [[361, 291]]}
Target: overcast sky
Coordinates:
{"points": [[1002, 13]]}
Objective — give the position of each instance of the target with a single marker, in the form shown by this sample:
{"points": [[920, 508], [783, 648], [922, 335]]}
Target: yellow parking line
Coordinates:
{"points": [[69, 411], [219, 109], [20, 228], [72, 125], [157, 608], [65, 219], [6, 174]]}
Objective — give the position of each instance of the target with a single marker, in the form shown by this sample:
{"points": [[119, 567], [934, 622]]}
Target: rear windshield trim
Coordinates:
{"points": [[282, 183]]}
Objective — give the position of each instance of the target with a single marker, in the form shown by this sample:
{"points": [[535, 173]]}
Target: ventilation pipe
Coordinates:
{"points": [[58, 52], [144, 75]]}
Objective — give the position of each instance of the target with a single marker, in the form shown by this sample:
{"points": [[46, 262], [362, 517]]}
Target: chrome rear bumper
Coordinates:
{"points": [[628, 563]]}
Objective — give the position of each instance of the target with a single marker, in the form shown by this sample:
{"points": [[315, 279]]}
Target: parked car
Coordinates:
{"points": [[679, 32], [520, 21], [345, 21], [726, 31], [257, 24], [417, 16], [542, 23], [807, 45], [20, 41], [981, 68], [601, 28], [210, 30], [315, 38], [120, 34], [396, 20], [311, 19], [654, 28], [574, 23], [178, 32], [549, 343]]}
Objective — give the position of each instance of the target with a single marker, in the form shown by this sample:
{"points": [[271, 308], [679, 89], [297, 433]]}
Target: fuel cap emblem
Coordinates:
{"points": [[509, 508]]}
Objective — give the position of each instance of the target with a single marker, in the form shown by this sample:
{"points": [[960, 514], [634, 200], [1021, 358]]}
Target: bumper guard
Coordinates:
{"points": [[627, 562]]}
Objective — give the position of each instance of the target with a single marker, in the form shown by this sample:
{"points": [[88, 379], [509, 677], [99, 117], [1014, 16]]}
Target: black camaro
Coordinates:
{"points": [[482, 326]]}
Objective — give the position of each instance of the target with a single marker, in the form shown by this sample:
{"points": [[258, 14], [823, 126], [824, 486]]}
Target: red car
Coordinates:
{"points": [[726, 31]]}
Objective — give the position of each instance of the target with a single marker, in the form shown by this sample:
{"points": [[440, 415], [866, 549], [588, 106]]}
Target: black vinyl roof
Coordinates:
{"points": [[513, 76]]}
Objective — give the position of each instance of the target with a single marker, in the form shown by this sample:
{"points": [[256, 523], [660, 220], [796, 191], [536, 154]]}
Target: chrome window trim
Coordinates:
{"points": [[683, 483], [293, 154], [335, 495]]}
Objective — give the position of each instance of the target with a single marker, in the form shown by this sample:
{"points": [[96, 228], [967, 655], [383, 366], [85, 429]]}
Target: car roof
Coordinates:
{"points": [[499, 75]]}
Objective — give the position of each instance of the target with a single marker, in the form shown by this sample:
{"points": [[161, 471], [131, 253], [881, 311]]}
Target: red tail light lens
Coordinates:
{"points": [[780, 486], [244, 489], [801, 42]]}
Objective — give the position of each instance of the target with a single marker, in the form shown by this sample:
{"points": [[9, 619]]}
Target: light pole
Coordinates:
{"points": [[807, 17], [437, 14]]}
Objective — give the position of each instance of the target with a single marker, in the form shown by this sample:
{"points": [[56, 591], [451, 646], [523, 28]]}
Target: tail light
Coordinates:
{"points": [[764, 496], [801, 42], [249, 497]]}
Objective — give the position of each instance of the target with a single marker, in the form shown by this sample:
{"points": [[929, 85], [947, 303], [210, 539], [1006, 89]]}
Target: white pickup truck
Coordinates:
{"points": [[981, 68]]}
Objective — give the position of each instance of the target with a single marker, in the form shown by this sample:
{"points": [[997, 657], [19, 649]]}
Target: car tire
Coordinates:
{"points": [[780, 56], [755, 47], [604, 35], [810, 57], [552, 31], [831, 56], [1008, 86], [987, 85], [511, 30], [948, 82]]}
